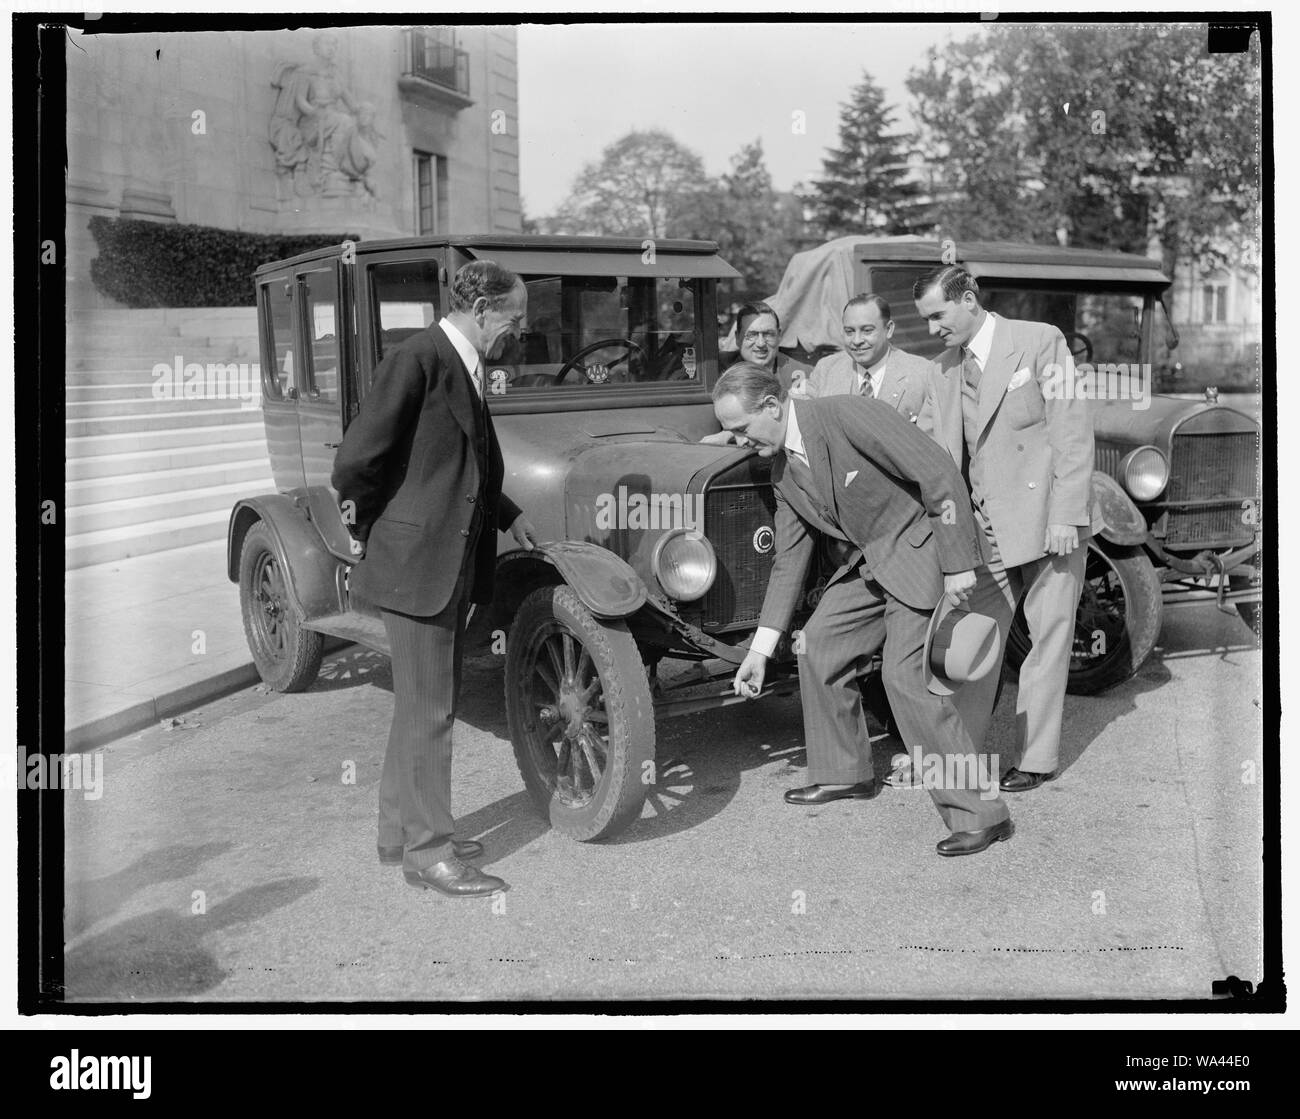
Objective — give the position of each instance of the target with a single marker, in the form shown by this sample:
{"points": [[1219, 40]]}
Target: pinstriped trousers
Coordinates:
{"points": [[854, 618], [415, 789]]}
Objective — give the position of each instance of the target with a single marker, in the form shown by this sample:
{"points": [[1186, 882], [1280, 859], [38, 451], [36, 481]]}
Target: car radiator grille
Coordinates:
{"points": [[1210, 477], [733, 516]]}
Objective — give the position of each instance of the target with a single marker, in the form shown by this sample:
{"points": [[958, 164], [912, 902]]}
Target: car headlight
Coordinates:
{"points": [[685, 564], [1145, 472]]}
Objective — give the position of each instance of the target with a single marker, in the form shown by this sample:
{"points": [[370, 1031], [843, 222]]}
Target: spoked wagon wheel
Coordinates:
{"points": [[287, 656], [1116, 625], [580, 715]]}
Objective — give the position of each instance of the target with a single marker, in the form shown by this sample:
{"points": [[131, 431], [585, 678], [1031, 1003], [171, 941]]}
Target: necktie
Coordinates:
{"points": [[970, 369]]}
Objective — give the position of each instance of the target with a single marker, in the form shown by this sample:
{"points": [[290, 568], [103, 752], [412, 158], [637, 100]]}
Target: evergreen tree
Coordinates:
{"points": [[866, 185]]}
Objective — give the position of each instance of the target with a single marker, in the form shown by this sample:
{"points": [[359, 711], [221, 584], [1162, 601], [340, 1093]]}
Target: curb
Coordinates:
{"points": [[149, 712]]}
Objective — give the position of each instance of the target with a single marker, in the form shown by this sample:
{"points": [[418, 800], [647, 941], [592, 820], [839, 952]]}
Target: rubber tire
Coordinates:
{"points": [[621, 792], [1143, 613], [297, 668]]}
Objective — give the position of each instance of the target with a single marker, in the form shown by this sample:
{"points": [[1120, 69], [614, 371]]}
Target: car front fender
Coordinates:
{"points": [[310, 571], [1122, 521], [606, 583]]}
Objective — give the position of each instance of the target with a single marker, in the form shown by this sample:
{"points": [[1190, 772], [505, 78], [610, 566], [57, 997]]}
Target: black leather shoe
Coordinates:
{"points": [[461, 848], [824, 794], [1018, 781], [973, 842], [455, 879]]}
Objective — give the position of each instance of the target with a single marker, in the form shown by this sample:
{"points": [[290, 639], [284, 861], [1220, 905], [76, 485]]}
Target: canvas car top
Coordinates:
{"points": [[818, 282]]}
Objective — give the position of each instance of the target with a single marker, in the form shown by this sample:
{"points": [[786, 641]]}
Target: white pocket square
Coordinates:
{"points": [[1020, 377], [848, 478]]}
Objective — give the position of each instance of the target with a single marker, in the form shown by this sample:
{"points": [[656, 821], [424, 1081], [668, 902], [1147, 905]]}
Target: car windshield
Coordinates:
{"points": [[580, 331], [1099, 327]]}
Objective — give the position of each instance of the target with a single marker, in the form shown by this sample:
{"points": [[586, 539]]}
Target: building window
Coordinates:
{"points": [[434, 57], [430, 193], [1214, 303]]}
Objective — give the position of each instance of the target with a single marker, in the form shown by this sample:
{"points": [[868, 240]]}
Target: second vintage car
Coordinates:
{"points": [[1178, 481]]}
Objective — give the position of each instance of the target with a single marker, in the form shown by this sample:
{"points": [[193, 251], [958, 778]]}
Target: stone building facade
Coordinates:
{"points": [[378, 131]]}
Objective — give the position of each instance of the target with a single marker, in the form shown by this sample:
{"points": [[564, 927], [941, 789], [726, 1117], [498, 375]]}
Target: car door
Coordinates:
{"points": [[324, 336]]}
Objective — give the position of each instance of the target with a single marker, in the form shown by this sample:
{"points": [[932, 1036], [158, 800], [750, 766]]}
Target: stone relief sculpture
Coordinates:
{"points": [[324, 139]]}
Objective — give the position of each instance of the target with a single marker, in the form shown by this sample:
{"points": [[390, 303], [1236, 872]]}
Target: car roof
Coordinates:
{"points": [[519, 242], [1031, 261]]}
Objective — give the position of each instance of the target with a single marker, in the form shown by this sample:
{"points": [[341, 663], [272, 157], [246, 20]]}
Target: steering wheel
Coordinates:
{"points": [[1078, 352], [572, 363]]}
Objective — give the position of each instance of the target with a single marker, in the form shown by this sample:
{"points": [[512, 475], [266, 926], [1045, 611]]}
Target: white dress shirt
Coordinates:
{"points": [[875, 374], [468, 354], [765, 637], [981, 345]]}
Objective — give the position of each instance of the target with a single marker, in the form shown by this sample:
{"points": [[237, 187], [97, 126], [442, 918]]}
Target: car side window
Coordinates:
{"points": [[405, 301], [911, 332], [277, 354], [320, 299]]}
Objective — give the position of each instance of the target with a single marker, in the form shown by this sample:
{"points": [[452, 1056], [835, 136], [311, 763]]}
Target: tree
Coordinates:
{"points": [[1095, 136], [866, 185], [756, 230], [644, 185]]}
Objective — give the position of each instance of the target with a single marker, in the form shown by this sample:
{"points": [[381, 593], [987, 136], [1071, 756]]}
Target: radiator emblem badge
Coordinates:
{"points": [[764, 540]]}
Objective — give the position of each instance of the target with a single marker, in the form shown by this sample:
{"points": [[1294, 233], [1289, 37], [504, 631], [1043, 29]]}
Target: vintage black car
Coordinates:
{"points": [[657, 546], [1178, 480]]}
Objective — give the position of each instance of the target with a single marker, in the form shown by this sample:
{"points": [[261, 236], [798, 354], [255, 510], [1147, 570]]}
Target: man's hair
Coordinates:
{"points": [[752, 311], [863, 298], [749, 384], [951, 279], [482, 279]]}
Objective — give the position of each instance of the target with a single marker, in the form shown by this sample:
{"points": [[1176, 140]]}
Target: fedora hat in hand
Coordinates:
{"points": [[960, 647]]}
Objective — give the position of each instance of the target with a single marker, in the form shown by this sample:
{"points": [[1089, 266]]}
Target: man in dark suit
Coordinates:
{"points": [[419, 478], [854, 469]]}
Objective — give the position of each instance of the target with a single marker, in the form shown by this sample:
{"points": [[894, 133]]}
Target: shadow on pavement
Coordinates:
{"points": [[98, 898], [160, 955]]}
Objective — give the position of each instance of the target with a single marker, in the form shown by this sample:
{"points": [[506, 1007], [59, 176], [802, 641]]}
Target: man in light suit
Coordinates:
{"points": [[419, 478], [1026, 445], [870, 365], [855, 470]]}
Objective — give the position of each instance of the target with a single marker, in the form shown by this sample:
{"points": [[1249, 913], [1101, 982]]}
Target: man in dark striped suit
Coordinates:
{"points": [[854, 469], [420, 475]]}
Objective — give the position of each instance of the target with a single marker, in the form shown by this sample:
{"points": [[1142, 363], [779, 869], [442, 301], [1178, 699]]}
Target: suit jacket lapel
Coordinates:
{"points": [[949, 422], [1004, 359], [790, 490], [460, 387], [819, 458]]}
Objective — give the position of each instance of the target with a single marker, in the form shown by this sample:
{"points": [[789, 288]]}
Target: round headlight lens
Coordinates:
{"points": [[1146, 473], [685, 564]]}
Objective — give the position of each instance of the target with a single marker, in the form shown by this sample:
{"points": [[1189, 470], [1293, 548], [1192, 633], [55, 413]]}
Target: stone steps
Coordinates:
{"points": [[115, 407], [120, 464], [116, 487], [83, 549], [125, 512], [147, 474], [139, 422]]}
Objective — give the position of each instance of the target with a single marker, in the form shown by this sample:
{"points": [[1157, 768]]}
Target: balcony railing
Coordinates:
{"points": [[438, 61]]}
